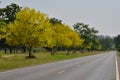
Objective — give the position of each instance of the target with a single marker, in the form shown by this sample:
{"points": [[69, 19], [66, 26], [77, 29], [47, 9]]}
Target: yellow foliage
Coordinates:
{"points": [[31, 28], [66, 37]]}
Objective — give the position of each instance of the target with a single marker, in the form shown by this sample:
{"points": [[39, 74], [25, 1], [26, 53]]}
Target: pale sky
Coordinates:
{"points": [[104, 15]]}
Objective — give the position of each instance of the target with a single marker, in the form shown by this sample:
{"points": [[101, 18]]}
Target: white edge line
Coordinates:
{"points": [[117, 72]]}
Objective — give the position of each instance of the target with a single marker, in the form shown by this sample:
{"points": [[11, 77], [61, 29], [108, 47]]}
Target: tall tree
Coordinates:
{"points": [[8, 14], [30, 29], [86, 33]]}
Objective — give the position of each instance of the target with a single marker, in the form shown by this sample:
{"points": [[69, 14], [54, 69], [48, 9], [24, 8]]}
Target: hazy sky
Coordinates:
{"points": [[104, 15]]}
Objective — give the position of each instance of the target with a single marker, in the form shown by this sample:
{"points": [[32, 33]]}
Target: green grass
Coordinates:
{"points": [[10, 61], [118, 53]]}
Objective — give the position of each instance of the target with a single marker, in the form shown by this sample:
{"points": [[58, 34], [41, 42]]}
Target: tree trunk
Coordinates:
{"points": [[30, 52], [88, 50], [74, 51], [24, 49], [5, 50], [52, 51], [82, 50], [68, 51], [10, 50], [14, 49]]}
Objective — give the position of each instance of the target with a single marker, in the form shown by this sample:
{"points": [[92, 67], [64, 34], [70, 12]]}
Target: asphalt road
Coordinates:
{"points": [[96, 67]]}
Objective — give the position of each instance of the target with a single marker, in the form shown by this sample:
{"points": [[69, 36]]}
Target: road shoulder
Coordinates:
{"points": [[118, 60]]}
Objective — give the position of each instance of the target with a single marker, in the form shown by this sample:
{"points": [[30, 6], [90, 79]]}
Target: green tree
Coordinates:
{"points": [[96, 44], [107, 42], [8, 14], [117, 42], [30, 29], [86, 33]]}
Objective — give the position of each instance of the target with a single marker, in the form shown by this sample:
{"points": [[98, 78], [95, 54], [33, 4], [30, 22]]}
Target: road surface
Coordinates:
{"points": [[96, 67]]}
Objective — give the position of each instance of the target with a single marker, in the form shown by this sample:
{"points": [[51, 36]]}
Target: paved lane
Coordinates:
{"points": [[96, 67]]}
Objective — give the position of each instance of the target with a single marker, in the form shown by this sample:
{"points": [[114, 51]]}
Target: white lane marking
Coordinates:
{"points": [[117, 72]]}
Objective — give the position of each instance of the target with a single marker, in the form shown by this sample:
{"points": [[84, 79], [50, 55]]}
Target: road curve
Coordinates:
{"points": [[96, 67]]}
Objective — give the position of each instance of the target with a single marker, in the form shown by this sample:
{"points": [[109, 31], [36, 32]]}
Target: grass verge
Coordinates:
{"points": [[118, 53], [11, 61]]}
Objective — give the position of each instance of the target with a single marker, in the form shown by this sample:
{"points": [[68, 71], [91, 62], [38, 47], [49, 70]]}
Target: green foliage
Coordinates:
{"points": [[55, 21], [8, 14], [86, 33], [107, 43], [96, 44], [117, 42]]}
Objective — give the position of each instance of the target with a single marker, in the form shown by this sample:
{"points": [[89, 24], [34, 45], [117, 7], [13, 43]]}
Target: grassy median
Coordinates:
{"points": [[10, 61]]}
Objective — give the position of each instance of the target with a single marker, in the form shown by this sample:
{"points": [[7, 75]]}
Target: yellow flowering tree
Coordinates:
{"points": [[64, 36], [30, 29]]}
